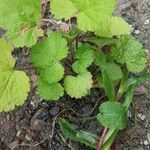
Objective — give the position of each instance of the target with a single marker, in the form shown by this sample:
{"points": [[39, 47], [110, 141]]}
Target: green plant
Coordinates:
{"points": [[97, 52]]}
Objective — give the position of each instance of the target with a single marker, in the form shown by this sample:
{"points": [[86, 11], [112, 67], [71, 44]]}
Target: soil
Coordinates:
{"points": [[32, 126]]}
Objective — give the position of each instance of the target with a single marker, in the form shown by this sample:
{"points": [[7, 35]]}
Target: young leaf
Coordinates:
{"points": [[112, 115], [67, 130], [90, 14], [130, 52], [113, 26], [78, 86], [50, 91], [79, 136], [14, 85], [21, 19], [84, 56], [46, 56]]}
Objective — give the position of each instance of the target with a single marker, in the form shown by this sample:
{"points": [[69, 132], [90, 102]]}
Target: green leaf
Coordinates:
{"points": [[87, 138], [78, 86], [90, 14], [52, 73], [113, 26], [109, 86], [52, 48], [112, 115], [100, 41], [50, 91], [113, 70], [100, 58], [6, 60], [67, 130], [14, 85], [21, 20], [84, 56], [79, 136], [130, 52]]}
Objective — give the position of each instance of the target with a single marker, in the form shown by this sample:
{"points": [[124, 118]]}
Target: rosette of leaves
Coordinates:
{"points": [[21, 20], [91, 15]]}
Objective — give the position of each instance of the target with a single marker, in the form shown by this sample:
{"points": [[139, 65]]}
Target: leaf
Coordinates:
{"points": [[14, 85], [100, 58], [90, 14], [78, 86], [79, 136], [50, 91], [87, 138], [113, 70], [52, 73], [67, 130], [100, 41], [112, 115], [6, 60], [21, 20], [84, 56], [113, 26], [130, 52], [109, 86], [52, 48]]}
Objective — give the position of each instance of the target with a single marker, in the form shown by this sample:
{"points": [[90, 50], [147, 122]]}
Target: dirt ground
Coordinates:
{"points": [[32, 127]]}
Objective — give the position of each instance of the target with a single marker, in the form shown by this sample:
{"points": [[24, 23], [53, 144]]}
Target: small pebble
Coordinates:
{"points": [[143, 117], [18, 133], [145, 142], [28, 138], [137, 32], [147, 22]]}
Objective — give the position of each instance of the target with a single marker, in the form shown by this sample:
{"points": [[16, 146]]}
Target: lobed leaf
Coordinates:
{"points": [[130, 52], [46, 56], [78, 86], [89, 13], [114, 26], [50, 91], [21, 20], [14, 85]]}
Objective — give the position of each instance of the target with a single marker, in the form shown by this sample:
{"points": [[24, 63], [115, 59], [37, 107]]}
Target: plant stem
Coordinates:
{"points": [[99, 147]]}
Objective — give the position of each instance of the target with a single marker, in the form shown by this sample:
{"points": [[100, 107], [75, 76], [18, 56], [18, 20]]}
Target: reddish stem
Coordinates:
{"points": [[99, 147]]}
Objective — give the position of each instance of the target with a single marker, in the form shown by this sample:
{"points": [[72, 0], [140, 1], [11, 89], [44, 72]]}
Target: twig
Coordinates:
{"points": [[99, 147]]}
